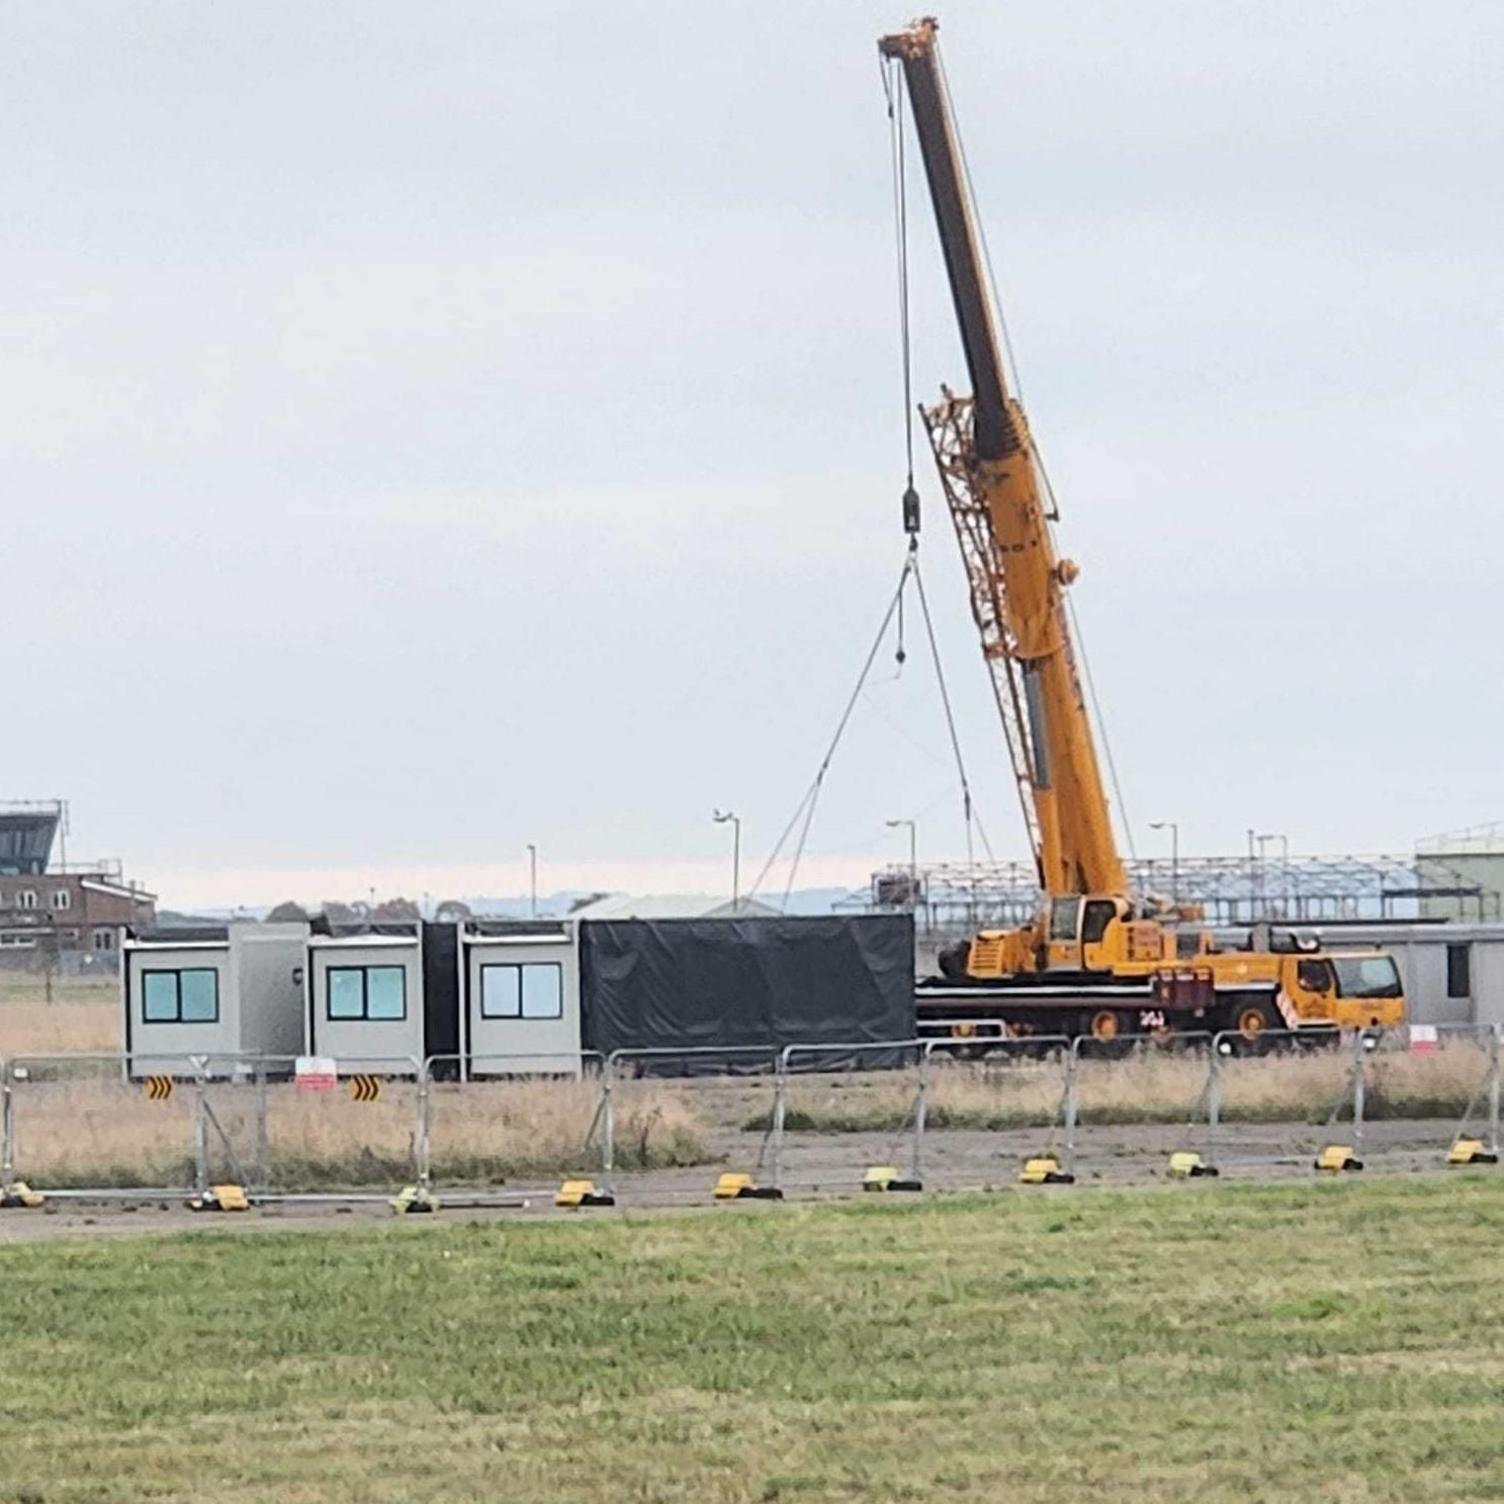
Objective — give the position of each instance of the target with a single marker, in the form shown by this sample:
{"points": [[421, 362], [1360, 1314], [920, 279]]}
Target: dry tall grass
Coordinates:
{"points": [[1155, 1086], [82, 1016], [93, 1129]]}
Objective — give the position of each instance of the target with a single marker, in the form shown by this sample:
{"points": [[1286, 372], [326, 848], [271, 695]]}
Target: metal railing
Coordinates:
{"points": [[88, 1126]]}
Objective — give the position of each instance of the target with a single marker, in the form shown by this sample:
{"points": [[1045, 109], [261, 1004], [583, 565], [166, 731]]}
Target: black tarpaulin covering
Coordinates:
{"points": [[674, 984]]}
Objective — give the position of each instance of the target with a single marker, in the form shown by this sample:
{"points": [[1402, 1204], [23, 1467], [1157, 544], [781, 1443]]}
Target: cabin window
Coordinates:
{"points": [[1065, 918], [189, 995], [531, 990], [1460, 970], [374, 993]]}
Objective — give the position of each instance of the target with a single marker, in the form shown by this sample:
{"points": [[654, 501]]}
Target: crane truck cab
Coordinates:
{"points": [[1252, 992]]}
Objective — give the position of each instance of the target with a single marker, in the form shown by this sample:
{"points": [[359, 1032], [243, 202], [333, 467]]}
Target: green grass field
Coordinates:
{"points": [[1333, 1342]]}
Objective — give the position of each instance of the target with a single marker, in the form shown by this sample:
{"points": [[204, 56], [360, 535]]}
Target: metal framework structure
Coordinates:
{"points": [[956, 897]]}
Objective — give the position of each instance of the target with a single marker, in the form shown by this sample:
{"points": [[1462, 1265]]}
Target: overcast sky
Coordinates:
{"points": [[430, 429]]}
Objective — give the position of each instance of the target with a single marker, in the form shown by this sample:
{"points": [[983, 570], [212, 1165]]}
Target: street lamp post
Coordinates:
{"points": [[723, 817], [913, 826], [1173, 826], [532, 879]]}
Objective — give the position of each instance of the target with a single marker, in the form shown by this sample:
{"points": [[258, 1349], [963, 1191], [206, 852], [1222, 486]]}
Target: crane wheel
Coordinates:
{"points": [[1252, 1021], [1106, 1027]]}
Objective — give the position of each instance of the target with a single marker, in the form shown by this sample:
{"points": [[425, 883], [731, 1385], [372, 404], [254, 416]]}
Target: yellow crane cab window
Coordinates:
{"points": [[1367, 976], [1314, 976], [1065, 918], [1100, 912]]}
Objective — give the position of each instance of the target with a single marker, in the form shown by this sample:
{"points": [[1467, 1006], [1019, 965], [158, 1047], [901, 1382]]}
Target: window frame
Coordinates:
{"points": [[60, 899], [176, 973], [26, 898], [520, 967], [364, 968], [103, 940]]}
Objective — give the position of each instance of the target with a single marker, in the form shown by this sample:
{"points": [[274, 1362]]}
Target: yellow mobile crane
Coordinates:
{"points": [[1096, 959]]}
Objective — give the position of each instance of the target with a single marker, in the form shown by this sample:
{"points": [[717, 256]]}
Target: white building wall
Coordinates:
{"points": [[501, 1046], [377, 1046], [157, 1049]]}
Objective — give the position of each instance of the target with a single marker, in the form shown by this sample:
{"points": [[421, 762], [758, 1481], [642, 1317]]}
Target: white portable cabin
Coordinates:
{"points": [[217, 994], [365, 999], [520, 998]]}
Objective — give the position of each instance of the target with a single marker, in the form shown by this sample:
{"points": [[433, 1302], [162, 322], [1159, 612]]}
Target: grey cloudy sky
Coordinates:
{"points": [[429, 429]]}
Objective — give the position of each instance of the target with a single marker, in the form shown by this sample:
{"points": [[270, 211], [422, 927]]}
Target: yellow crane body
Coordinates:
{"points": [[1090, 928]]}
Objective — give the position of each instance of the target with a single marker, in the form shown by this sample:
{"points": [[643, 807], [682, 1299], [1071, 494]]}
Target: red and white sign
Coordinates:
{"points": [[1422, 1039], [315, 1073]]}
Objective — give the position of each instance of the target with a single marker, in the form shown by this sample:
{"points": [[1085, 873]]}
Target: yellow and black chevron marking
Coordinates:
{"points": [[365, 1088], [158, 1088]]}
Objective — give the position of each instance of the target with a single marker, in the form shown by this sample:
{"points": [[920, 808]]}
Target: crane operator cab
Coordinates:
{"points": [[1098, 933], [1078, 935]]}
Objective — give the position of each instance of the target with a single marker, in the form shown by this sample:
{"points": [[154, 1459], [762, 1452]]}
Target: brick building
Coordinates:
{"points": [[62, 907]]}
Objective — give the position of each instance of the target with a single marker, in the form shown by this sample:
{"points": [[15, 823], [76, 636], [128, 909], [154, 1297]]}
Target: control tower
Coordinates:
{"points": [[28, 829]]}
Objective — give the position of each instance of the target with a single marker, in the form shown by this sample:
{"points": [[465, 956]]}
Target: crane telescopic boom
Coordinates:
{"points": [[995, 491]]}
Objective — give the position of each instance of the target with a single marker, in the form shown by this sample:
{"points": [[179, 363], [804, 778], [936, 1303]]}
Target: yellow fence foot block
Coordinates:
{"points": [[582, 1193], [1186, 1165], [1045, 1170], [1338, 1159], [1471, 1151], [412, 1200], [19, 1194], [221, 1198], [735, 1185], [888, 1178]]}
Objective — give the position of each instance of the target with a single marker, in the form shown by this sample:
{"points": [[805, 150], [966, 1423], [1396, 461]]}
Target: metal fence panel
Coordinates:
{"points": [[353, 1139], [76, 1121], [519, 1121]]}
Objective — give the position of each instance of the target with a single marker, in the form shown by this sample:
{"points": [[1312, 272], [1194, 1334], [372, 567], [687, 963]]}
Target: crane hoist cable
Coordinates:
{"points": [[804, 812], [805, 807], [950, 725]]}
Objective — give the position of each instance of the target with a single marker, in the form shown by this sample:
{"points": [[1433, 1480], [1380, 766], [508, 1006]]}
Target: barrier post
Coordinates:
{"points": [[921, 1112], [1493, 1088], [422, 1149], [263, 1129], [7, 1129], [780, 1108], [201, 1137], [1214, 1093], [1360, 1088], [1072, 1103], [608, 1116]]}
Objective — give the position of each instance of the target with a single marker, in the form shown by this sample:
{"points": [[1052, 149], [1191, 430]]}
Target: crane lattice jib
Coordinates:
{"points": [[948, 424]]}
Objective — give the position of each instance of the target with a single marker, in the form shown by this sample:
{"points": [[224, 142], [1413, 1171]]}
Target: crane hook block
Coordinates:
{"points": [[911, 512]]}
